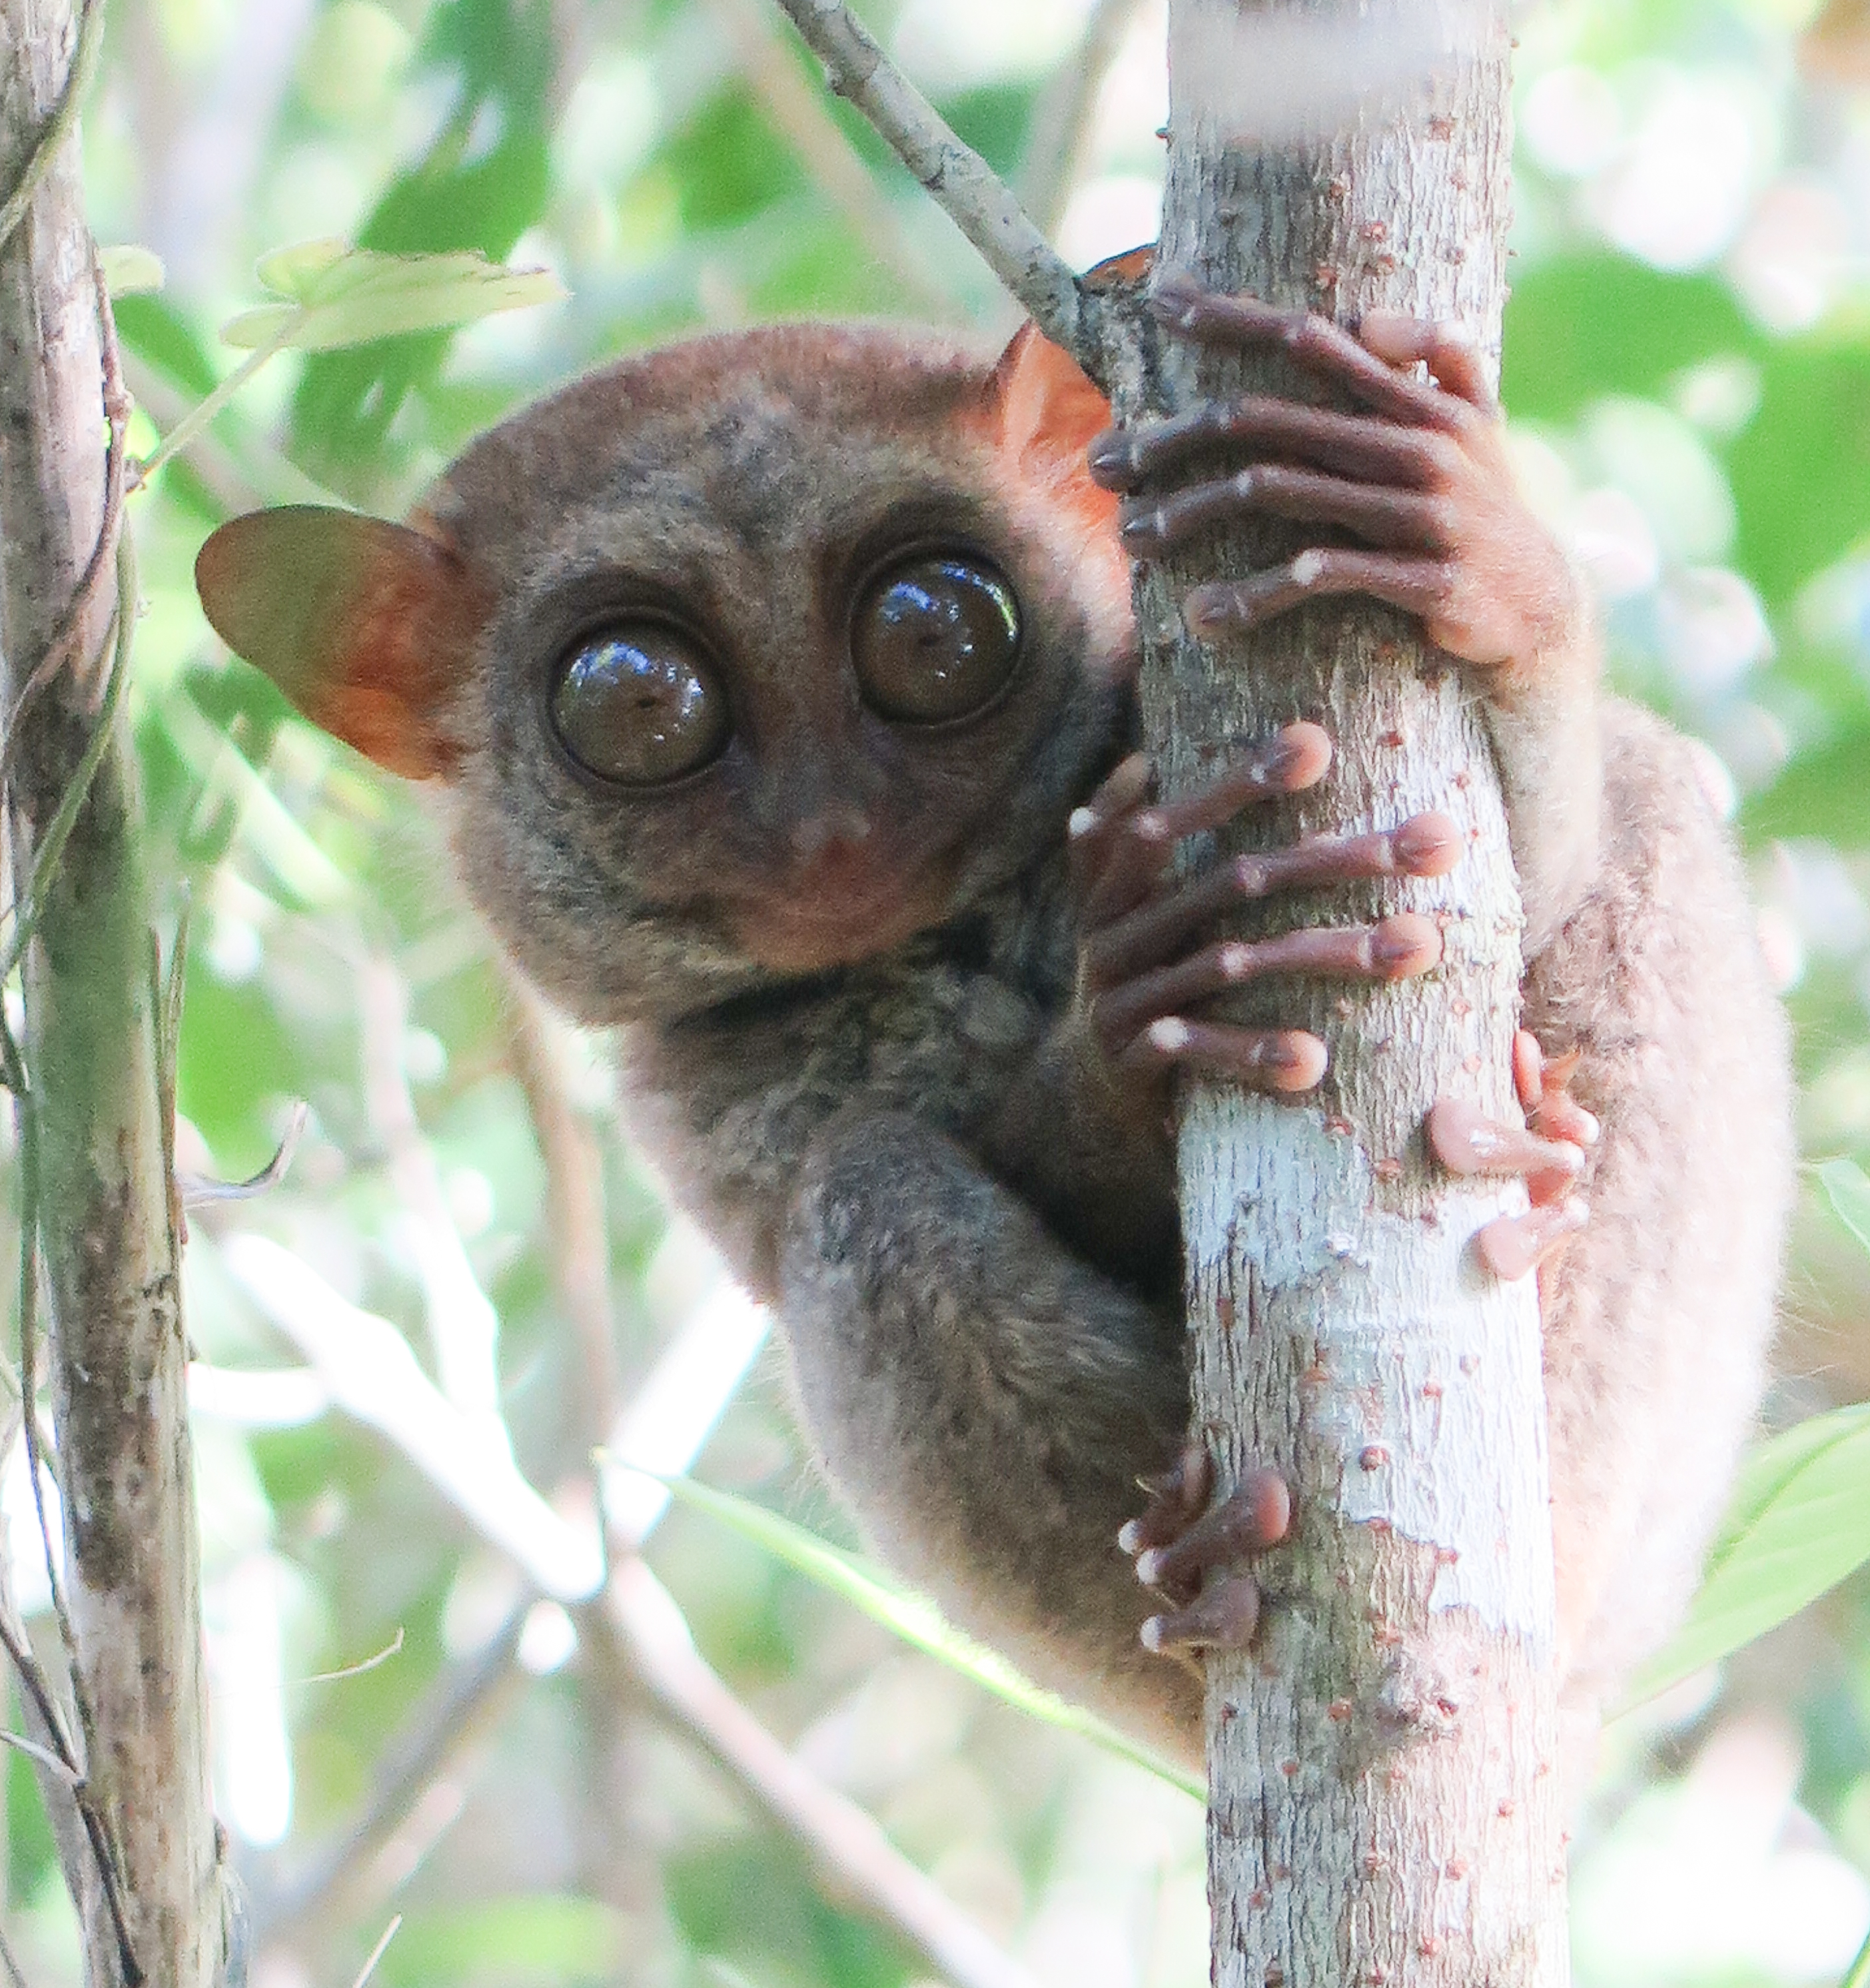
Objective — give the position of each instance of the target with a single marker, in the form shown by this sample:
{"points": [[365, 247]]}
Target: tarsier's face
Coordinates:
{"points": [[779, 655]]}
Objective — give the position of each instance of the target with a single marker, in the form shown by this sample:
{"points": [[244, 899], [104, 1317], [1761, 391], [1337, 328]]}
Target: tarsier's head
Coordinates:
{"points": [[752, 656]]}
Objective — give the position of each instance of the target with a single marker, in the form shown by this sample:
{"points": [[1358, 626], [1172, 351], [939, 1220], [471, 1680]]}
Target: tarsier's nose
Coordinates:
{"points": [[829, 834]]}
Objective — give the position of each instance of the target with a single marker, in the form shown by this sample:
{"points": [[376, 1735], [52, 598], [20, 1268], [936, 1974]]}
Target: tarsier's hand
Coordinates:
{"points": [[1148, 961], [1421, 480]]}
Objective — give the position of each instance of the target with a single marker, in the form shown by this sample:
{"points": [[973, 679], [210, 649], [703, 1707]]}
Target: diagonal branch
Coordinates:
{"points": [[966, 186]]}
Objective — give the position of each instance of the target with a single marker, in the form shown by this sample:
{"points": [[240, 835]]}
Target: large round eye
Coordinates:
{"points": [[639, 704], [935, 637]]}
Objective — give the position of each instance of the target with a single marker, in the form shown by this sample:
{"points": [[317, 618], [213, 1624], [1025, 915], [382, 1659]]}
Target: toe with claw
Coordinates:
{"points": [[1550, 1153], [1191, 1548]]}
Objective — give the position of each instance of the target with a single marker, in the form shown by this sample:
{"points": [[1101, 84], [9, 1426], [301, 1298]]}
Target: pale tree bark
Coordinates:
{"points": [[150, 1894], [1384, 1801]]}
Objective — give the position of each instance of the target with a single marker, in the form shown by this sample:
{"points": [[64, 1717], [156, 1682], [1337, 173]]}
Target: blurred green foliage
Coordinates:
{"points": [[1688, 369]]}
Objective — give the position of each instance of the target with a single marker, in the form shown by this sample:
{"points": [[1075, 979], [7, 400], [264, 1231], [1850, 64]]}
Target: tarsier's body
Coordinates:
{"points": [[778, 688]]}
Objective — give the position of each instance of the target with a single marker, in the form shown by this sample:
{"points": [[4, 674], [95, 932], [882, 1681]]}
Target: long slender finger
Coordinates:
{"points": [[1452, 358], [1279, 1061], [1323, 349], [1514, 1246], [1091, 826], [1116, 862], [1418, 586], [1528, 1070], [1357, 445], [1254, 1516], [1404, 944], [1223, 1618], [1466, 1140], [1428, 845], [1394, 518]]}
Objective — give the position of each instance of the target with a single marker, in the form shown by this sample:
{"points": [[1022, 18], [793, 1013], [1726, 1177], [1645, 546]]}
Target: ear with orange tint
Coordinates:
{"points": [[365, 626], [1046, 412]]}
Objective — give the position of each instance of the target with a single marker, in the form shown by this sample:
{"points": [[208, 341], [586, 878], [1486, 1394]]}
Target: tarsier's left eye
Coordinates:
{"points": [[935, 637]]}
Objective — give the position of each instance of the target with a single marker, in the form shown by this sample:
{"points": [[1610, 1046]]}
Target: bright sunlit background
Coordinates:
{"points": [[405, 1360]]}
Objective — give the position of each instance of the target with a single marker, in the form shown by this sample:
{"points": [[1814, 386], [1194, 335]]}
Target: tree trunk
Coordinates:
{"points": [[111, 1253], [1384, 1800]]}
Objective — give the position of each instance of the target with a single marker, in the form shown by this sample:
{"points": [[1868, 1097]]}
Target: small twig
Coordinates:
{"points": [[204, 410], [59, 1770], [392, 1648], [198, 1193], [967, 189], [377, 1953], [1062, 116], [457, 1709], [53, 133]]}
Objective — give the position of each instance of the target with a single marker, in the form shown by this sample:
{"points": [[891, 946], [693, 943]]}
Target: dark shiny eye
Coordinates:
{"points": [[639, 704], [935, 637]]}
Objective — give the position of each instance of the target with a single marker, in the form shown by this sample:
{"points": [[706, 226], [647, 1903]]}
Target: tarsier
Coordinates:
{"points": [[777, 689]]}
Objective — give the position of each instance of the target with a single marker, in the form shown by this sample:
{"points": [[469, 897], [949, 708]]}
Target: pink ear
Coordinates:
{"points": [[364, 625], [1047, 412]]}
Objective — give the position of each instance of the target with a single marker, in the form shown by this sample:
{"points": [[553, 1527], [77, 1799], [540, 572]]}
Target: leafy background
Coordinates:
{"points": [[1687, 370]]}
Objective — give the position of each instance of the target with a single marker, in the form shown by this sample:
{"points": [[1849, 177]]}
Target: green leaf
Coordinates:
{"points": [[361, 295], [1798, 1524], [291, 271], [1847, 1188], [915, 1619], [131, 269]]}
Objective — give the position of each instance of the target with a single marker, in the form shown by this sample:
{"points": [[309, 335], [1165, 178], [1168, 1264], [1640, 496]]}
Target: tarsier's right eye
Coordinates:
{"points": [[640, 703]]}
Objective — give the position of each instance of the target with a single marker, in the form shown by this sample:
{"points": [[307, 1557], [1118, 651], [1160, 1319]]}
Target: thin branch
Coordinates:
{"points": [[371, 1370], [463, 1704], [580, 1243], [967, 189], [25, 910], [15, 1975], [1062, 117], [463, 1326], [821, 142], [649, 1634], [377, 1953]]}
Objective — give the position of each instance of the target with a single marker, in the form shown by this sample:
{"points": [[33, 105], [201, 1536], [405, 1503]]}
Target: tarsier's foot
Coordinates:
{"points": [[1191, 1550], [1549, 1153], [1420, 480], [1147, 964]]}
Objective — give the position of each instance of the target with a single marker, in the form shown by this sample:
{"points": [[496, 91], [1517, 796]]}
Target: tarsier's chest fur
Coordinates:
{"points": [[945, 1030]]}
